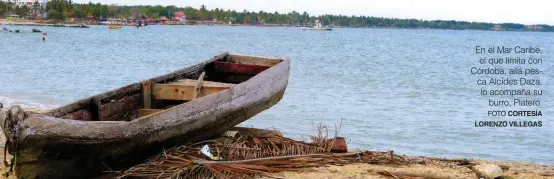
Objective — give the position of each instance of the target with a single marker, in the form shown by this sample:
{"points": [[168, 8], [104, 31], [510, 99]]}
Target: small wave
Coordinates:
{"points": [[7, 102]]}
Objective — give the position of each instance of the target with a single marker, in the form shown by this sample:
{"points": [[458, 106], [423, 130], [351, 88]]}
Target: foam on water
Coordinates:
{"points": [[7, 102]]}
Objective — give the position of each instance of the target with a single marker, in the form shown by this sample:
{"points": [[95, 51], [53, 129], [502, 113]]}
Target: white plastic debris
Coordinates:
{"points": [[207, 152]]}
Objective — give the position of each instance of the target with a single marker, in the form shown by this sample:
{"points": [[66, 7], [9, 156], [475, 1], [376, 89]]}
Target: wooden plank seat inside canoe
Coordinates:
{"points": [[180, 90], [125, 105], [185, 91]]}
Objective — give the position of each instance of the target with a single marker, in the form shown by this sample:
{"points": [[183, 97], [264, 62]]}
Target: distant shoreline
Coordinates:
{"points": [[203, 23], [94, 12]]}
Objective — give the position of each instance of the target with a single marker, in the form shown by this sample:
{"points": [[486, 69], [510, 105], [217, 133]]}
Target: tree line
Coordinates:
{"points": [[62, 9], [6, 7]]}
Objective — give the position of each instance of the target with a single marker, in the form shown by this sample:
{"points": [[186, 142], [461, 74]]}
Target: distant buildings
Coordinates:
{"points": [[24, 2], [30, 3], [33, 11]]}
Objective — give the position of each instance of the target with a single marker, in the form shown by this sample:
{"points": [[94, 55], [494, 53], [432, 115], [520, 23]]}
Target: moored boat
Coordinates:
{"points": [[124, 126], [79, 26], [115, 27], [317, 26]]}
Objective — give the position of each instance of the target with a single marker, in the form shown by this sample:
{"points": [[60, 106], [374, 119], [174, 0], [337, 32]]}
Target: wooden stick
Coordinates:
{"points": [[198, 86], [147, 94]]}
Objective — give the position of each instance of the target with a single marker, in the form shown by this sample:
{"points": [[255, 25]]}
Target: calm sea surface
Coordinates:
{"points": [[410, 91]]}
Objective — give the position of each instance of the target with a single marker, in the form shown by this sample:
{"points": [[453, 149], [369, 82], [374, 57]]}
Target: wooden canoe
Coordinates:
{"points": [[124, 126]]}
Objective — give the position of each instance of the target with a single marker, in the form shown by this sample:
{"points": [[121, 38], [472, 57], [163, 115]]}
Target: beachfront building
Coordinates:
{"points": [[30, 3], [33, 6]]}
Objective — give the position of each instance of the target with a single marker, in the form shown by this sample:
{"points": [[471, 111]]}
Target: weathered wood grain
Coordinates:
{"points": [[189, 82], [239, 68], [120, 110], [198, 86], [146, 112], [181, 92], [253, 60], [147, 94]]}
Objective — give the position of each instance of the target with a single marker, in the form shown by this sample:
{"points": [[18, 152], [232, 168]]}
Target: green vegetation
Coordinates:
{"points": [[58, 9], [66, 9], [15, 10]]}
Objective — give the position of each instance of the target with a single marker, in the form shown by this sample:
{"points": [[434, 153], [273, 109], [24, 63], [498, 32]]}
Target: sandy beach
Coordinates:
{"points": [[429, 168], [418, 167]]}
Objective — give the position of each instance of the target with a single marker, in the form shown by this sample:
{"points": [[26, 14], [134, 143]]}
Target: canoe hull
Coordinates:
{"points": [[50, 147]]}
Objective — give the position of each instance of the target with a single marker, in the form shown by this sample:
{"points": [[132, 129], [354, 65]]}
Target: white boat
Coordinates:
{"points": [[317, 26]]}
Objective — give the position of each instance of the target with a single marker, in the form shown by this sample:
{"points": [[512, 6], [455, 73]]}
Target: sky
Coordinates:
{"points": [[494, 11]]}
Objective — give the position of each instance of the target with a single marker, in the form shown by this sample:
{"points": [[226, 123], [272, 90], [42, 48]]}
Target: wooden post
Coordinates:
{"points": [[147, 94], [95, 109], [198, 86]]}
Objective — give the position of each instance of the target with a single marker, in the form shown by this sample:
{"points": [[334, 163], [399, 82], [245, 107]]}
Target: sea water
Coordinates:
{"points": [[405, 90]]}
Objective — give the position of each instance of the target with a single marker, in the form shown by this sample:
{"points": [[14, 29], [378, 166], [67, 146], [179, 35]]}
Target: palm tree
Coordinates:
{"points": [[8, 5], [6, 11], [35, 7]]}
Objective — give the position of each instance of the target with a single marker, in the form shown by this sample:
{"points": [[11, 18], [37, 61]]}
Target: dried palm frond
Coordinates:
{"points": [[249, 154], [187, 167]]}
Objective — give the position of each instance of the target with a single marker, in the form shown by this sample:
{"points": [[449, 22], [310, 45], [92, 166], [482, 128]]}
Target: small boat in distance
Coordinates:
{"points": [[79, 26], [58, 25], [125, 126], [317, 26], [115, 27]]}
